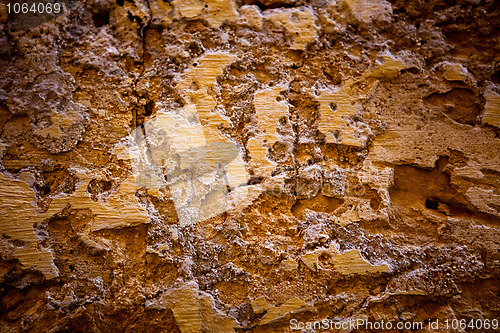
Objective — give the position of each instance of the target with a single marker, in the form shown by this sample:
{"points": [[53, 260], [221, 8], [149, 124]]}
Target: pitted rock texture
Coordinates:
{"points": [[366, 182]]}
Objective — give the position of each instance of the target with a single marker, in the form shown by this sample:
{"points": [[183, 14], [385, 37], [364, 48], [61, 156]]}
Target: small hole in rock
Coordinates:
{"points": [[431, 204], [100, 19]]}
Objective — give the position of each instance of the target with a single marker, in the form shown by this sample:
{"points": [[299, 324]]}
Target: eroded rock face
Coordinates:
{"points": [[223, 166]]}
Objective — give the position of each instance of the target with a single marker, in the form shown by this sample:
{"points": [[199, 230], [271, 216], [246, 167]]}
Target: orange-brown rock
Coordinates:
{"points": [[246, 165]]}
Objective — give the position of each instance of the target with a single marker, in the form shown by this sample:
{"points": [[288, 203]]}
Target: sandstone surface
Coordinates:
{"points": [[230, 166]]}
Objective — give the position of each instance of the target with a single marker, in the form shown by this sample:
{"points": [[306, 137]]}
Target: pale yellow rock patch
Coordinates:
{"points": [[219, 11], [388, 67], [189, 8], [195, 311], [268, 111], [338, 105], [454, 72], [160, 12], [347, 263], [491, 115], [289, 307], [290, 265], [260, 305], [60, 122], [215, 12], [369, 11], [484, 200], [298, 22], [251, 16], [194, 86], [19, 215]]}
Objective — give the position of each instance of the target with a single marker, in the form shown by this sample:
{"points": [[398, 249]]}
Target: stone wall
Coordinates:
{"points": [[241, 165]]}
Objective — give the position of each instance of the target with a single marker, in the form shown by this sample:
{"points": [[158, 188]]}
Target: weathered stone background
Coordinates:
{"points": [[369, 129]]}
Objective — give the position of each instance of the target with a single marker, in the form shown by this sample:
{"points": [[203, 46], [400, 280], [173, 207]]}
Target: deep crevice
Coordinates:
{"points": [[101, 19]]}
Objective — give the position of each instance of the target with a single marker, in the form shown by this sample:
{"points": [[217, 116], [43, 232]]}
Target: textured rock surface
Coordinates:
{"points": [[343, 154]]}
